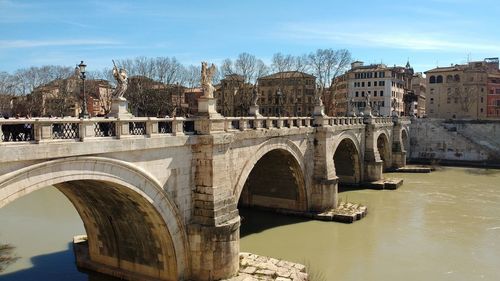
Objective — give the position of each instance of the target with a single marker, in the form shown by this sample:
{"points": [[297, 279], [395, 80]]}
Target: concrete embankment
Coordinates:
{"points": [[459, 142]]}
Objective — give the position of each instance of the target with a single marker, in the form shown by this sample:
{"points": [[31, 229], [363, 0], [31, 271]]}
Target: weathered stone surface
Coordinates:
{"points": [[265, 268]]}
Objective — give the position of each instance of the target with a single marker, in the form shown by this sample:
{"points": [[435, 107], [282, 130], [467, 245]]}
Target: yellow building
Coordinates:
{"points": [[288, 93], [459, 91]]}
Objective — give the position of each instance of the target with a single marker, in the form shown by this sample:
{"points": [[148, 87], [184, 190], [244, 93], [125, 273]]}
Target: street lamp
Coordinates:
{"points": [[81, 68]]}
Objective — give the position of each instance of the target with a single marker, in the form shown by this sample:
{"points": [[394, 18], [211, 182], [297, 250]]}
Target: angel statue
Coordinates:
{"points": [[121, 80], [206, 79], [255, 94], [317, 96]]}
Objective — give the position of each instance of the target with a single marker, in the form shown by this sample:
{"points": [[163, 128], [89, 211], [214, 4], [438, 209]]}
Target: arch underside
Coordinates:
{"points": [[384, 150], [347, 164], [123, 229], [276, 181], [132, 227]]}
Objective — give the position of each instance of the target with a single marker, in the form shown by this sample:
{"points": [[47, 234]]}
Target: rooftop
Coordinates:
{"points": [[288, 74]]}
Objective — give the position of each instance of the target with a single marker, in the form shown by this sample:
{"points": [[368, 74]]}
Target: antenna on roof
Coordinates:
{"points": [[468, 57]]}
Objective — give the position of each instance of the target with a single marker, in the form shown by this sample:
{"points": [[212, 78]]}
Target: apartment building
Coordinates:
{"points": [[386, 87], [288, 93], [462, 91]]}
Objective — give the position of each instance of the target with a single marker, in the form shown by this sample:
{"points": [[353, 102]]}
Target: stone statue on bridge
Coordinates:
{"points": [[119, 104], [255, 94], [318, 100], [121, 80], [207, 74]]}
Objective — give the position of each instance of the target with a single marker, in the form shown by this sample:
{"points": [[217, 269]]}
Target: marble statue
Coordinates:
{"points": [[206, 79], [121, 80], [255, 95]]}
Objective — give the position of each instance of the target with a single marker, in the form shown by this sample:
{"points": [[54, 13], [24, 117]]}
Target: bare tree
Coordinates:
{"points": [[227, 67], [326, 64], [191, 76], [246, 66], [281, 63], [168, 70]]}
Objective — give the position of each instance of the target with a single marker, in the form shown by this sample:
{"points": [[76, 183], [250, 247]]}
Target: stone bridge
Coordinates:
{"points": [[159, 197]]}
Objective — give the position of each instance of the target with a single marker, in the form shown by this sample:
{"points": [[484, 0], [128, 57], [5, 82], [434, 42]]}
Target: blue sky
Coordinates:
{"points": [[427, 32]]}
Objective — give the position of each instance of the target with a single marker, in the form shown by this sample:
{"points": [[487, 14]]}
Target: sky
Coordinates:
{"points": [[428, 33]]}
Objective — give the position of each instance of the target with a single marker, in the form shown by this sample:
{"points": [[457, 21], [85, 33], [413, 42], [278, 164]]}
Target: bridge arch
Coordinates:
{"points": [[131, 224], [347, 159], [384, 149], [277, 158]]}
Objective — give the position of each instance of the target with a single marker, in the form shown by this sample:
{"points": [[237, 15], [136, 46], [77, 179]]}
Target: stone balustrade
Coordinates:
{"points": [[49, 129]]}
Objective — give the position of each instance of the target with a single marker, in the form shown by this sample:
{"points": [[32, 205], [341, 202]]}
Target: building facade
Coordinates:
{"points": [[383, 86], [288, 93], [462, 91], [493, 97], [416, 96], [336, 103], [233, 96]]}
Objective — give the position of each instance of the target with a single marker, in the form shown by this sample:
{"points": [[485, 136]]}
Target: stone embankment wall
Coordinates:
{"points": [[455, 141]]}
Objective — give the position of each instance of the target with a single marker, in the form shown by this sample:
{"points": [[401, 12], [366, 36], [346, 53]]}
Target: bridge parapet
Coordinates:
{"points": [[53, 129]]}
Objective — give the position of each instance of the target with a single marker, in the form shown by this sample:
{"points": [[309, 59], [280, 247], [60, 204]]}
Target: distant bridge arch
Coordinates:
{"points": [[347, 158], [276, 157]]}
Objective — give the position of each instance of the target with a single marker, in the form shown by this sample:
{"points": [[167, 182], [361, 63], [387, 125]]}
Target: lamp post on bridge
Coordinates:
{"points": [[84, 113]]}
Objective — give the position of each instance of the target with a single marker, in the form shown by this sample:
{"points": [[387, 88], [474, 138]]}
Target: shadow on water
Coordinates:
{"points": [[255, 221], [352, 187], [56, 266]]}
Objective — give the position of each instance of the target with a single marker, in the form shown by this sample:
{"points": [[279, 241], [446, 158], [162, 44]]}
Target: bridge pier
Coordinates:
{"points": [[214, 232], [398, 149], [373, 163], [324, 193]]}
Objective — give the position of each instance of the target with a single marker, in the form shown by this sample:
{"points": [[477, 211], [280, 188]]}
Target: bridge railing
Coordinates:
{"points": [[343, 121], [247, 123], [67, 129]]}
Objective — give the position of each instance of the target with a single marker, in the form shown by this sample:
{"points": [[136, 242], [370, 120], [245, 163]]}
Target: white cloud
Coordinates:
{"points": [[11, 44], [384, 36]]}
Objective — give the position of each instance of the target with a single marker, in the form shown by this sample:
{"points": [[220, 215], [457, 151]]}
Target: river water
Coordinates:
{"points": [[439, 226]]}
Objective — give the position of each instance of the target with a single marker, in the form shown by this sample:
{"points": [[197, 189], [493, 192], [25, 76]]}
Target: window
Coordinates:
{"points": [[375, 74], [482, 100], [381, 83], [375, 92], [362, 84], [457, 78], [369, 84], [439, 79], [432, 100], [432, 80], [381, 93], [363, 93], [357, 94], [375, 82]]}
